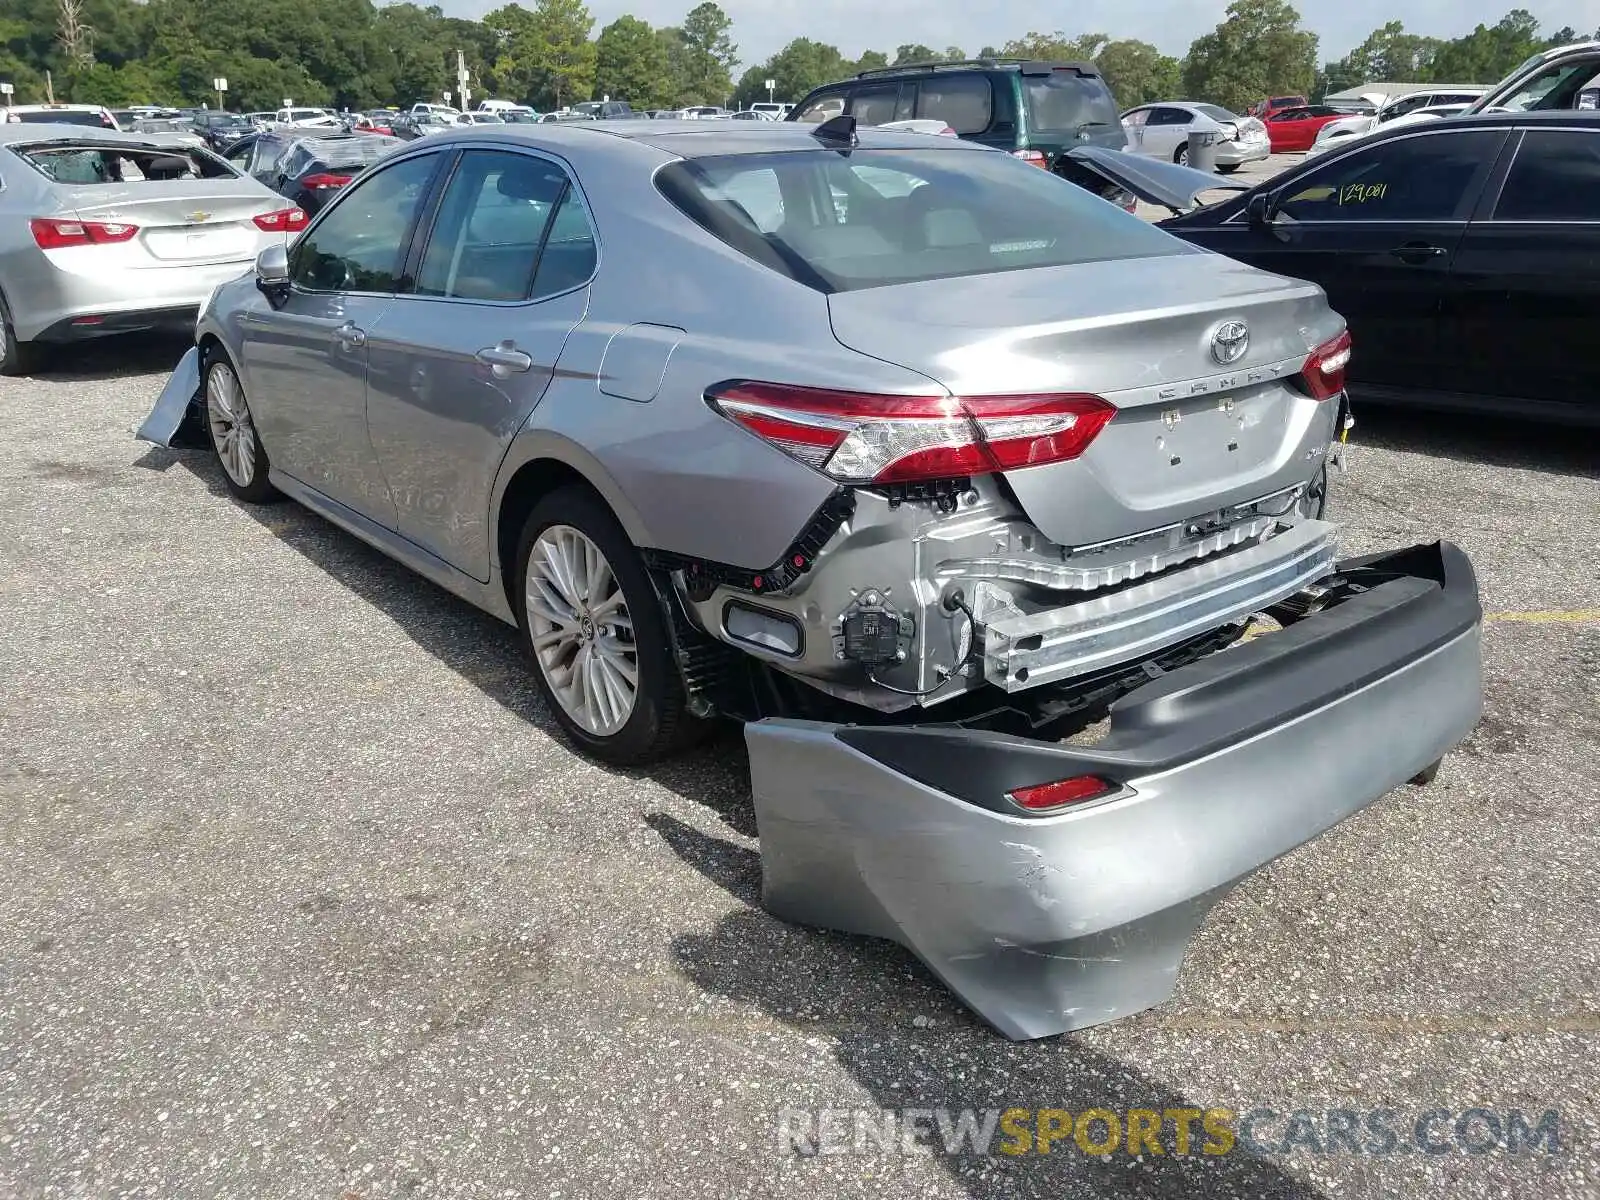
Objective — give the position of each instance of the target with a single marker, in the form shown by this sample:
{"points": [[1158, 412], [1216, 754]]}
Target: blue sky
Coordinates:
{"points": [[761, 27]]}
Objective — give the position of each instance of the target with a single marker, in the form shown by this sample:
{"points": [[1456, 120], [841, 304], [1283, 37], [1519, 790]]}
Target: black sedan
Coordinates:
{"points": [[1465, 255], [306, 166]]}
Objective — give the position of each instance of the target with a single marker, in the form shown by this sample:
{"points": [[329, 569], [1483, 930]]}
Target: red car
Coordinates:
{"points": [[1265, 108], [1296, 128]]}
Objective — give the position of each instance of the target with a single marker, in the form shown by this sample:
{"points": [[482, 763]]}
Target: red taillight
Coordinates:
{"points": [[285, 220], [1078, 790], [52, 234], [948, 132], [866, 438], [1036, 157], [1323, 374], [325, 180]]}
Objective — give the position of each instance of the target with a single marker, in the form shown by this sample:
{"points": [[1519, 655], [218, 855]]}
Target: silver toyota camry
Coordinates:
{"points": [[915, 458], [104, 232]]}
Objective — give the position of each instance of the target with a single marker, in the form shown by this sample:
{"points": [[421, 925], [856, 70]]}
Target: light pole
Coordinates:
{"points": [[771, 86]]}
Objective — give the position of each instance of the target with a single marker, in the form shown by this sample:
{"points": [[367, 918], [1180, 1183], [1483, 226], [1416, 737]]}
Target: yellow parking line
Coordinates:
{"points": [[1568, 616]]}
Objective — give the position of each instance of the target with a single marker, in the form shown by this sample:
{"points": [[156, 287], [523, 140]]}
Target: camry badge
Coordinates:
{"points": [[1229, 342]]}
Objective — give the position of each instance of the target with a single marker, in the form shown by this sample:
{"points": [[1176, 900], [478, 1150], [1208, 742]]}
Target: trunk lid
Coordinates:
{"points": [[181, 221], [1191, 435]]}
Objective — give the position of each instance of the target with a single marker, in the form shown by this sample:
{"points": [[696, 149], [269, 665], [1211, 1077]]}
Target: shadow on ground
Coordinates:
{"points": [[862, 992], [1489, 440], [112, 358], [485, 651]]}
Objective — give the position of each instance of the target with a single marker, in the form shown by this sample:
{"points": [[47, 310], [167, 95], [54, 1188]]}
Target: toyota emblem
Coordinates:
{"points": [[1229, 342]]}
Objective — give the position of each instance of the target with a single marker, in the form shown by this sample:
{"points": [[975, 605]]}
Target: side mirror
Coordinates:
{"points": [[1259, 211], [272, 274]]}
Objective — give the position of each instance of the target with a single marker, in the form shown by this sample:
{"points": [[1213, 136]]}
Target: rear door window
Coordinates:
{"points": [[1430, 177], [822, 108], [963, 102], [875, 105], [1556, 177], [491, 227]]}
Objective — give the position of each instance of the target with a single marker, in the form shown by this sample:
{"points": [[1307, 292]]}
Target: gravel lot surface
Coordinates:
{"points": [[305, 898]]}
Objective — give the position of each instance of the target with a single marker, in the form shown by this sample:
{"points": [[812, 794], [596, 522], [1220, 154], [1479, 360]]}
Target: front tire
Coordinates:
{"points": [[1228, 168], [232, 432], [590, 616]]}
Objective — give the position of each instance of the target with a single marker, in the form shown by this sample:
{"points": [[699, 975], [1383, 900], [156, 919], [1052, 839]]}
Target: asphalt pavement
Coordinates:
{"points": [[304, 897]]}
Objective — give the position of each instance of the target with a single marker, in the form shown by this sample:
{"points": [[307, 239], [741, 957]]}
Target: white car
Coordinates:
{"points": [[1338, 135], [1162, 131], [1393, 108], [305, 118], [478, 118], [91, 115], [921, 125], [776, 111]]}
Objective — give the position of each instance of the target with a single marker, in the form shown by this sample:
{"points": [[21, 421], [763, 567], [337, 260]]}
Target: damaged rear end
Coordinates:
{"points": [[1117, 465]]}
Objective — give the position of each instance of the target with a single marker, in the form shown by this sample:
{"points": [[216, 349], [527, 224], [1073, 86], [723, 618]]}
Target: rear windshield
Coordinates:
{"points": [[61, 117], [350, 154], [1216, 112], [842, 222], [1065, 102], [85, 162]]}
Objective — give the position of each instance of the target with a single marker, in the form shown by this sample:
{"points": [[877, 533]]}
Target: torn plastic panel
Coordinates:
{"points": [[1048, 923], [170, 422]]}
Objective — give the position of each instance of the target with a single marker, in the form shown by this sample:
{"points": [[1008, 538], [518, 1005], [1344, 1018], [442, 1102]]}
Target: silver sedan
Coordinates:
{"points": [[106, 233]]}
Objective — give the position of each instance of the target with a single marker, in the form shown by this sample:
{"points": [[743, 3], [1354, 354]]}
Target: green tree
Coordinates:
{"points": [[1258, 50], [872, 60], [800, 66], [545, 55], [1490, 52], [1138, 73], [709, 54], [914, 52], [631, 64]]}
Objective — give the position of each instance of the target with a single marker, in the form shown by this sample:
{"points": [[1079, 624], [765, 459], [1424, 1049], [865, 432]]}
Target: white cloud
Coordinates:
{"points": [[761, 27]]}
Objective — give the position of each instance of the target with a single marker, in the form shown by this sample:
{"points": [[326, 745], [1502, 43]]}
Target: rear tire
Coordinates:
{"points": [[232, 432], [593, 624], [1228, 169], [16, 358], [1181, 155]]}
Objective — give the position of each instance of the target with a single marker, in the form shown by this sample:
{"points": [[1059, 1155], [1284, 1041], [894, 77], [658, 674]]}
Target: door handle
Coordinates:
{"points": [[1417, 252], [505, 358], [350, 335]]}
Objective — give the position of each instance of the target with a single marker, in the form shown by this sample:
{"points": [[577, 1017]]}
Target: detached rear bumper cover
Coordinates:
{"points": [[1044, 925]]}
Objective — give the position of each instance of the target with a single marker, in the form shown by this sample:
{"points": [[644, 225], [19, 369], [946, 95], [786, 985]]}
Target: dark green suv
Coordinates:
{"points": [[1035, 110]]}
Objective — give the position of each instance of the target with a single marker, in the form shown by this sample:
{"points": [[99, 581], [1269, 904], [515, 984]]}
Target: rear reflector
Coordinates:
{"points": [[326, 181], [1323, 374], [1078, 790], [864, 438], [52, 234], [285, 220], [1036, 157]]}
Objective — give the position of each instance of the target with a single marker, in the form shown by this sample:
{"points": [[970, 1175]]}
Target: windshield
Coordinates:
{"points": [[1554, 88], [344, 154], [90, 163], [1064, 102], [61, 117], [878, 217], [1216, 112]]}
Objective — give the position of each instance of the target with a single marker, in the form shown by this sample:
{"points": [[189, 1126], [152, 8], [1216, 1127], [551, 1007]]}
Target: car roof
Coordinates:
{"points": [[693, 139], [1557, 118], [44, 131]]}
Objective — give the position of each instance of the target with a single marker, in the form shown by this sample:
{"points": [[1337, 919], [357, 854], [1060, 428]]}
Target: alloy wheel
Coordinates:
{"points": [[232, 432], [581, 631]]}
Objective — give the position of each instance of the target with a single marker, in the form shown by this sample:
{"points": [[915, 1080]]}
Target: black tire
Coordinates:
{"points": [[256, 488], [1181, 155], [1227, 168], [16, 358], [660, 723]]}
